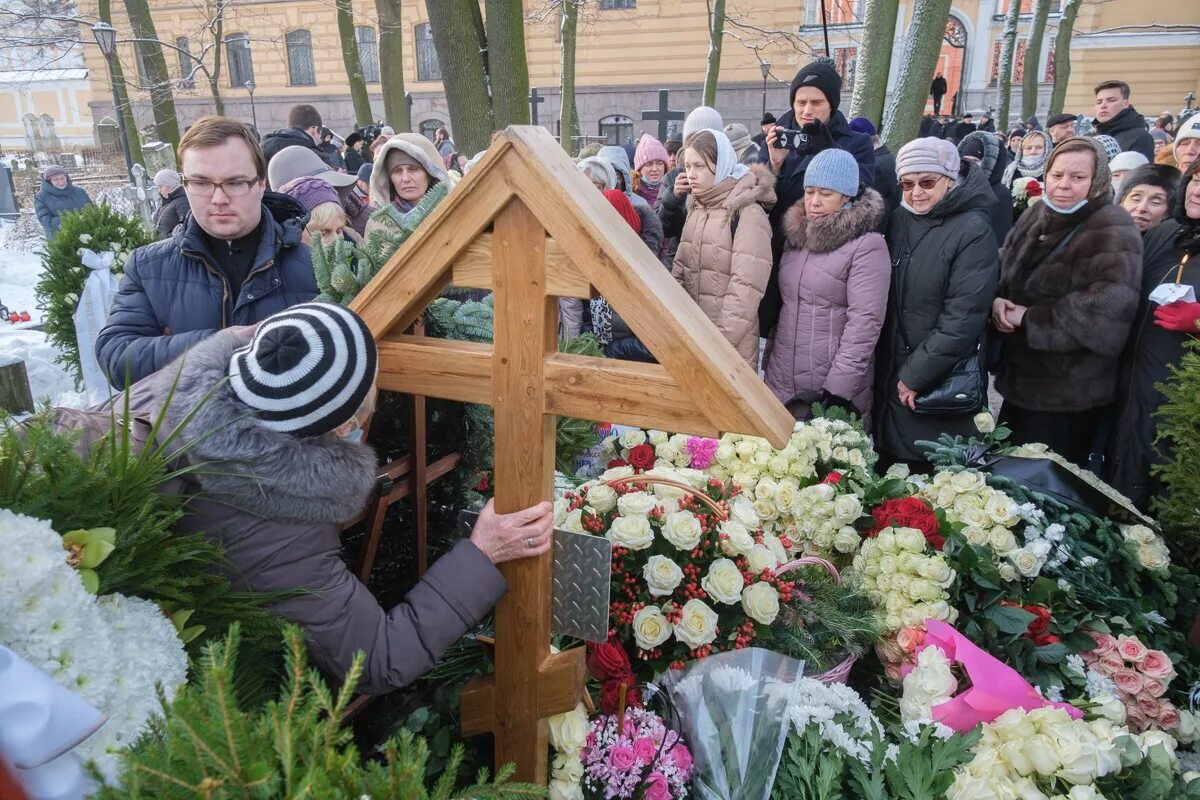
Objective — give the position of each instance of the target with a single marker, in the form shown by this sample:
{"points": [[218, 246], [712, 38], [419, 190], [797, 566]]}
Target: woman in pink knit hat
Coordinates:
{"points": [[649, 167]]}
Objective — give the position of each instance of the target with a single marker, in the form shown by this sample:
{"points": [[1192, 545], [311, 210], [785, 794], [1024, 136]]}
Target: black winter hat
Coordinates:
{"points": [[820, 75], [1059, 119], [769, 118], [1163, 176]]}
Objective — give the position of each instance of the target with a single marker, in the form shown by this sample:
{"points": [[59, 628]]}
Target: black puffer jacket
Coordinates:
{"points": [[944, 270], [1146, 362], [175, 209], [1129, 129], [273, 142]]}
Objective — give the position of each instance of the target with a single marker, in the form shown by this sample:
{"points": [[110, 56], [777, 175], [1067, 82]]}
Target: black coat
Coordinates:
{"points": [[1129, 129], [353, 159], [175, 209], [1082, 295], [273, 142], [1002, 212], [944, 270], [332, 155], [886, 182], [51, 202], [1145, 363], [938, 86]]}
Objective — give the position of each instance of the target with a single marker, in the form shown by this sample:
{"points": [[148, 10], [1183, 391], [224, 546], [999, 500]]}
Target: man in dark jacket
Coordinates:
{"points": [[232, 263], [938, 90], [56, 197], [984, 149], [272, 471], [174, 207], [304, 129], [885, 166], [816, 93], [1061, 127], [352, 155], [1116, 117], [329, 151]]}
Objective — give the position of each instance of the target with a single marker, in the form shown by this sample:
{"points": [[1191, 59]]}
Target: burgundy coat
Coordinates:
{"points": [[833, 280], [276, 502]]}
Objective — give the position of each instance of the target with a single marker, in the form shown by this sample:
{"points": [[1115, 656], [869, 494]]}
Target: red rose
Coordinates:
{"points": [[617, 462], [935, 541], [608, 660], [1041, 621], [1045, 639], [610, 696], [913, 507], [485, 483], [834, 477], [642, 457], [1034, 189]]}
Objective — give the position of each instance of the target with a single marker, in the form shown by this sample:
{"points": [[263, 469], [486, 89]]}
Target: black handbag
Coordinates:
{"points": [[964, 391]]}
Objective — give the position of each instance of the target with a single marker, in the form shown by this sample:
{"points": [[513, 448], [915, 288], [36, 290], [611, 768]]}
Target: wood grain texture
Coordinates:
{"points": [[473, 269], [433, 367], [526, 320]]}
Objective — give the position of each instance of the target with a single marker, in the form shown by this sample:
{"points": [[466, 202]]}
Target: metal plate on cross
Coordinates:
{"points": [[582, 580]]}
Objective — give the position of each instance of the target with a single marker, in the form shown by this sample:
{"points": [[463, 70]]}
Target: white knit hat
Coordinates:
{"points": [[1190, 130], [307, 370]]}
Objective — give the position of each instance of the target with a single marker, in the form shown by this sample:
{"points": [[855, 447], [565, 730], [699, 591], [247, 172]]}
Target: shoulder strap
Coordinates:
{"points": [[733, 225]]}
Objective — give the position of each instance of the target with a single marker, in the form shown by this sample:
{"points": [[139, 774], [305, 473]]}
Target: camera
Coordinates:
{"points": [[787, 139]]}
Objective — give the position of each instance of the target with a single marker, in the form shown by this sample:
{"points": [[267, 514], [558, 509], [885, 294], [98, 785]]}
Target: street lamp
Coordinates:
{"points": [[253, 110], [106, 38], [765, 66]]}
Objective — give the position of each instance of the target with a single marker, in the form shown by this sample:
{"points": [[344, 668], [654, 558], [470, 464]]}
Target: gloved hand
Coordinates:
{"points": [[833, 401], [819, 138], [1178, 316]]}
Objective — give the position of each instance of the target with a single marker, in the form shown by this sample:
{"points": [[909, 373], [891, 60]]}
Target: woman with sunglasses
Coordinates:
{"points": [[945, 263], [1067, 298]]}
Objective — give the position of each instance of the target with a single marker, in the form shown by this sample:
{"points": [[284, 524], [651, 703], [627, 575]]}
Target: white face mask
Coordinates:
{"points": [[1064, 211]]}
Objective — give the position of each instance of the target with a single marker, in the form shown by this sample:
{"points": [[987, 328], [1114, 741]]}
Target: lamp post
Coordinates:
{"points": [[253, 109], [106, 38], [765, 66]]}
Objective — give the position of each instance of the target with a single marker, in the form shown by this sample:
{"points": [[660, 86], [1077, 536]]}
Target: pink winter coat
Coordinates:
{"points": [[833, 279]]}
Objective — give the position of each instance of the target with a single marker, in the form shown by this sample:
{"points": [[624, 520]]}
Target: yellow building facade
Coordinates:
{"points": [[630, 49]]}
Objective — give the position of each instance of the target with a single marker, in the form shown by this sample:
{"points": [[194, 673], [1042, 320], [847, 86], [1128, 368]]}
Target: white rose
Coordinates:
{"points": [[778, 465], [760, 601], [742, 511], [975, 517], [985, 422], [568, 731], [766, 511], [1002, 541], [573, 522], [632, 533], [602, 498], [662, 575], [723, 582], [846, 540], [565, 788], [975, 535], [1026, 562], [910, 540], [786, 496], [738, 540], [899, 470], [1113, 710], [776, 547], [847, 508], [1154, 558], [560, 512], [761, 558], [698, 625], [765, 489], [1007, 573], [937, 570], [745, 449], [695, 478], [667, 453], [923, 590], [931, 683], [967, 481], [664, 491], [1001, 509], [650, 628], [635, 504], [632, 438], [682, 529], [725, 453], [657, 437], [616, 472]]}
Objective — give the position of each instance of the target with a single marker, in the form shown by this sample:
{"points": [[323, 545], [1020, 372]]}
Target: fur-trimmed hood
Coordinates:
{"points": [[828, 233], [756, 186], [315, 479]]}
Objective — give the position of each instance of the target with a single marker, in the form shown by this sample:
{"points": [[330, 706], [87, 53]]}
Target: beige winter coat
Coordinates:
{"points": [[726, 273]]}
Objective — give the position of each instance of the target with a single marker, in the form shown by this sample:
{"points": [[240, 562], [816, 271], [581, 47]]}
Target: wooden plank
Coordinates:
{"points": [[633, 393], [617, 263], [561, 677], [473, 269], [419, 270], [525, 334], [433, 367], [476, 707]]}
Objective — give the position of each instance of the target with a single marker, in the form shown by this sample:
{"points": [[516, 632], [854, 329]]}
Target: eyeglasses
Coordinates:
{"points": [[924, 183], [239, 187]]}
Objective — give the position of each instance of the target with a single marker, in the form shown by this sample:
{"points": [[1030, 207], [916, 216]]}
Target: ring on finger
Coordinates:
{"points": [[530, 542]]}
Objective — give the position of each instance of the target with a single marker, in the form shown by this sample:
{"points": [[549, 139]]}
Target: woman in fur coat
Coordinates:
{"points": [[1069, 284], [833, 280], [724, 256]]}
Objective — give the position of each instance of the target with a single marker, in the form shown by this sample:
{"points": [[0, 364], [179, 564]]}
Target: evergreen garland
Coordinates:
{"points": [[98, 228], [211, 748], [1178, 509]]}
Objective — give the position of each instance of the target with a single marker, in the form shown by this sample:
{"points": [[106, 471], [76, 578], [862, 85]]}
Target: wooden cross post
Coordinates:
{"points": [[664, 114], [493, 232], [535, 100]]}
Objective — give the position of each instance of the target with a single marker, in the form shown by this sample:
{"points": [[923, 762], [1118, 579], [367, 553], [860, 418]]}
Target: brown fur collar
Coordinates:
{"points": [[756, 186], [829, 233]]}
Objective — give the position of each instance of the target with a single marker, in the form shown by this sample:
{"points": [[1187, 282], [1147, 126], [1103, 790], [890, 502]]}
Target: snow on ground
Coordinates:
{"points": [[20, 268]]}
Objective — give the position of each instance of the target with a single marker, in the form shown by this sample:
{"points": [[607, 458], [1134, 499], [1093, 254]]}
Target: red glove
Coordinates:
{"points": [[1178, 316]]}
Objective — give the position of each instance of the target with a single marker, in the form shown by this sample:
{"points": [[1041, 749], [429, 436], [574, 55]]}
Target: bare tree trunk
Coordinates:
{"points": [[716, 32], [391, 64], [458, 37], [875, 60], [1033, 58], [506, 64], [217, 26], [924, 42], [1008, 49], [161, 97], [353, 61], [124, 109], [568, 120], [1062, 54]]}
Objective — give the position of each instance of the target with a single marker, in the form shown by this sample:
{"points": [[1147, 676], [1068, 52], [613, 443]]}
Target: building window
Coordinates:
{"points": [[812, 12], [368, 53], [428, 68], [140, 59], [608, 5], [300, 58], [616, 129], [1018, 66], [186, 63], [237, 53], [429, 128], [845, 61], [1048, 77]]}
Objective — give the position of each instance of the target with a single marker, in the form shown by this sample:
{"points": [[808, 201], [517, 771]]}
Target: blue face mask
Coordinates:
{"points": [[1064, 211], [355, 436]]}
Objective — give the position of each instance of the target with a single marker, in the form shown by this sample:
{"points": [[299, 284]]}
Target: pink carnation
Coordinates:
{"points": [[1105, 644], [1155, 664], [1168, 717], [622, 759], [645, 749], [701, 451], [1128, 681], [1131, 649], [657, 787]]}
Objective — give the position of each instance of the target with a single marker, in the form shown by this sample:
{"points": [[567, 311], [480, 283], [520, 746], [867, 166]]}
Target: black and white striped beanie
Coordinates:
{"points": [[307, 370]]}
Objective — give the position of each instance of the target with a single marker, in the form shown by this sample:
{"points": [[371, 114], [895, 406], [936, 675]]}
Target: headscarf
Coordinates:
{"points": [[727, 161], [596, 166], [1035, 166]]}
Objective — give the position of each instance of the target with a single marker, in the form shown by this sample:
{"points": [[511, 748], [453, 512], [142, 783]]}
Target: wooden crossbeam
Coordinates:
{"points": [[561, 677], [473, 269]]}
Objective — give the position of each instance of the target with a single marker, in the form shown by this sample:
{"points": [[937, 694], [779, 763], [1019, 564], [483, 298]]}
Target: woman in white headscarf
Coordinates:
{"points": [[724, 256]]}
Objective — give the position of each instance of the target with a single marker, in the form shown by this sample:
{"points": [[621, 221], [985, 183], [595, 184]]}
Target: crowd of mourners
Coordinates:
{"points": [[895, 285]]}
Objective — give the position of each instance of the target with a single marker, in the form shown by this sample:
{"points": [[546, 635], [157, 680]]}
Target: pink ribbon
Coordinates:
{"points": [[995, 686]]}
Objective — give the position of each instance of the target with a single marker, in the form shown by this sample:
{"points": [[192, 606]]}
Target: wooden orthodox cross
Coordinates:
{"points": [[491, 233], [535, 100]]}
